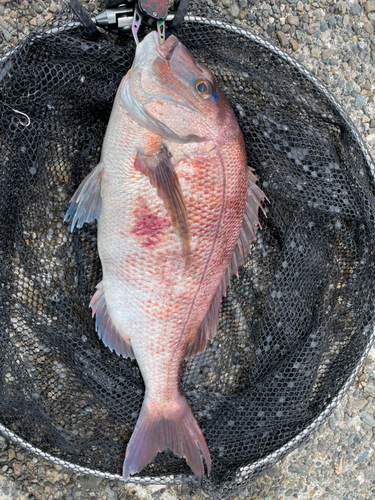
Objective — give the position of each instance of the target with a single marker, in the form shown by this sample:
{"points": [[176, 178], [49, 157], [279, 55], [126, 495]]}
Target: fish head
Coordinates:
{"points": [[173, 95]]}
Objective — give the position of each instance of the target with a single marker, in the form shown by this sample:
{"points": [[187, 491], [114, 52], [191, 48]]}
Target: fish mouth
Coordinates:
{"points": [[166, 49]]}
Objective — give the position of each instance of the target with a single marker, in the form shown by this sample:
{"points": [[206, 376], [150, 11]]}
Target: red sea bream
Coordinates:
{"points": [[177, 207]]}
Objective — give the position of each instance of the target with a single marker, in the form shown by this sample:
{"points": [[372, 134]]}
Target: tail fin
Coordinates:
{"points": [[176, 430]]}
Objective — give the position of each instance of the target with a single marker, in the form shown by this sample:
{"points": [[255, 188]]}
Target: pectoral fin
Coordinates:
{"points": [[159, 169], [86, 203]]}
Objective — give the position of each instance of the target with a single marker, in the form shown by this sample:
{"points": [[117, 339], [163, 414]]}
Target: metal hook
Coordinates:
{"points": [[161, 30], [25, 124], [137, 20]]}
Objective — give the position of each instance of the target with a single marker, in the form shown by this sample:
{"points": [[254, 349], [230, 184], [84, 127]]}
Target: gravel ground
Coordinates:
{"points": [[335, 40]]}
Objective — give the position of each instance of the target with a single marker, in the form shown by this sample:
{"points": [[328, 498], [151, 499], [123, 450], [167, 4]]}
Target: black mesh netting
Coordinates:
{"points": [[293, 327]]}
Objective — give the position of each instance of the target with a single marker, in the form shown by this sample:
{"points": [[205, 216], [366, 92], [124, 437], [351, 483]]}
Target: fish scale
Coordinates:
{"points": [[177, 208]]}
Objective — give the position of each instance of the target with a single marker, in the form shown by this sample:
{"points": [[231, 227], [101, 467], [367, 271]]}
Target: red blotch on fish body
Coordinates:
{"points": [[148, 226]]}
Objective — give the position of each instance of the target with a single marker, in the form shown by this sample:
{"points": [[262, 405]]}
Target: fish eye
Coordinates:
{"points": [[204, 89]]}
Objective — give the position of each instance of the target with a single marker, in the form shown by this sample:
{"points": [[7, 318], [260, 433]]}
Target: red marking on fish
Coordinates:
{"points": [[148, 226]]}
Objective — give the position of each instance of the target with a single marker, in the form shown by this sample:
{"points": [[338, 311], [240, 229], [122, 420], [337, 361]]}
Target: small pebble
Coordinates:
{"points": [[359, 103], [273, 471], [366, 416], [355, 9], [326, 54], [369, 6], [297, 469], [38, 9], [3, 443], [341, 82], [283, 39], [251, 17], [363, 457], [356, 88], [294, 44], [293, 20]]}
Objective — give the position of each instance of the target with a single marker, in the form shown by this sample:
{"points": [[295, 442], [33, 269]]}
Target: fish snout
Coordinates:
{"points": [[167, 48]]}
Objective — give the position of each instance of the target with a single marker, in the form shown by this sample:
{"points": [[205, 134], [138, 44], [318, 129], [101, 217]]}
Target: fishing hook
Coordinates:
{"points": [[25, 124], [161, 30], [137, 20], [28, 121]]}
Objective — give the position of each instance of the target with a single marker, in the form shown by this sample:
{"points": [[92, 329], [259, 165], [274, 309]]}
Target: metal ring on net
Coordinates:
{"points": [[260, 124]]}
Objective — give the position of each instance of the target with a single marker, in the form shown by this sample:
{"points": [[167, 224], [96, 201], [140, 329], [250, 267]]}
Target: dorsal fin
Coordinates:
{"points": [[207, 330], [254, 198]]}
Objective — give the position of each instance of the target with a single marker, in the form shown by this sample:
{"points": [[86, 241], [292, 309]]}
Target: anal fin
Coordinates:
{"points": [[104, 326], [86, 203]]}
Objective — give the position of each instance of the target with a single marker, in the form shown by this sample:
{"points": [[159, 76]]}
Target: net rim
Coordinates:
{"points": [[277, 455]]}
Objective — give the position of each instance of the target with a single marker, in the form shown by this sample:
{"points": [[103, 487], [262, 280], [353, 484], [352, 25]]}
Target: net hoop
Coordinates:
{"points": [[281, 452]]}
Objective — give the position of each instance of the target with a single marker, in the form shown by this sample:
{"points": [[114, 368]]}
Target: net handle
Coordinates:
{"points": [[179, 15]]}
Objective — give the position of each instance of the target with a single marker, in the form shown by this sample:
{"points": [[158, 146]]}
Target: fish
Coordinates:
{"points": [[177, 209]]}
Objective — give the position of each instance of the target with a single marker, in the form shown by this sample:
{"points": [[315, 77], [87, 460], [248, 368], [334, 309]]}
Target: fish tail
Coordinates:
{"points": [[158, 430]]}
